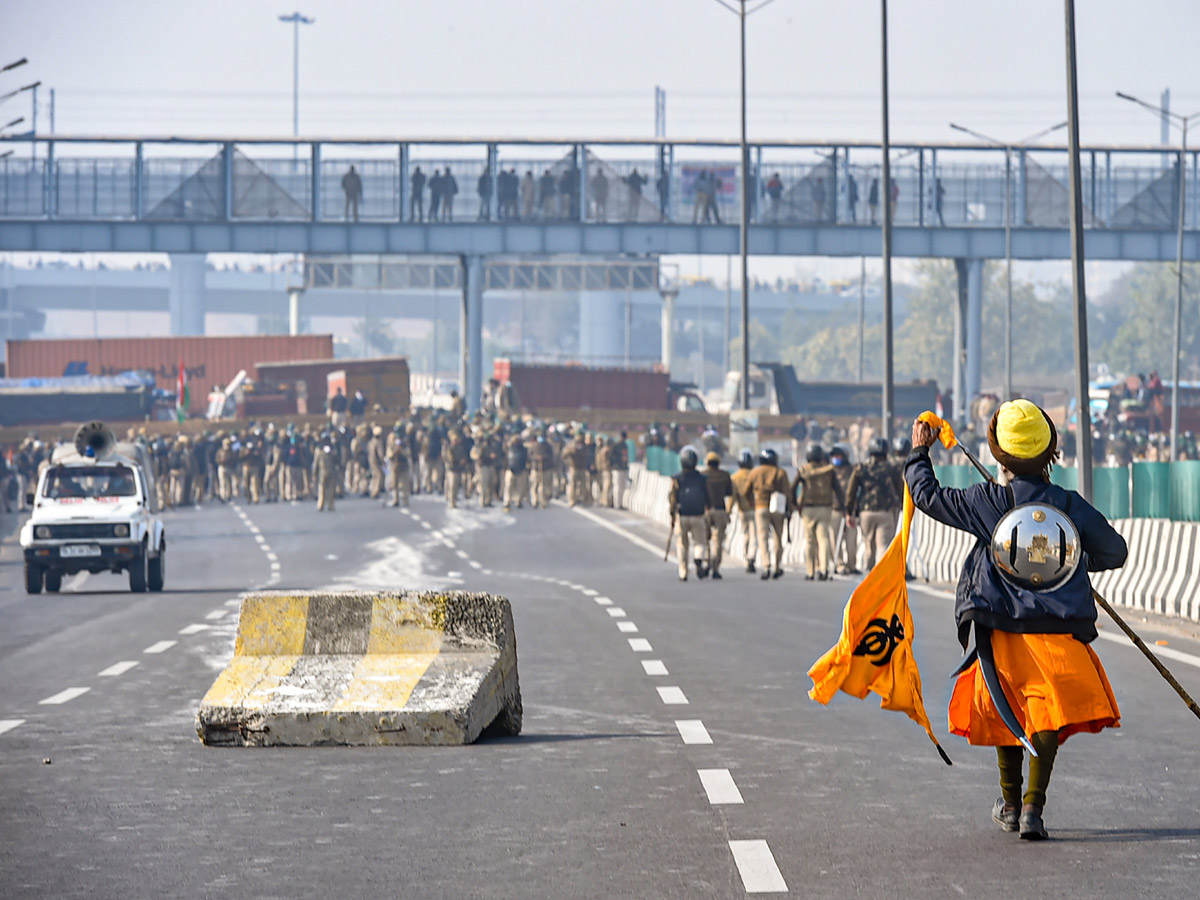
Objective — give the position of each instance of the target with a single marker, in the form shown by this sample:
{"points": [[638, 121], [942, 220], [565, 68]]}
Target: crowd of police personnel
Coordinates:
{"points": [[837, 502], [485, 458]]}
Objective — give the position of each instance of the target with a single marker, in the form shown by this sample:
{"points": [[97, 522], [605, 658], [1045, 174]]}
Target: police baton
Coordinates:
{"points": [[670, 537], [1112, 614]]}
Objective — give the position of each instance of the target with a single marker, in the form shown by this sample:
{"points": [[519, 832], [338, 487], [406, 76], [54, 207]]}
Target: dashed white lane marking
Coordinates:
{"points": [[616, 612], [426, 525], [474, 565], [194, 628], [254, 529], [576, 587], [627, 627], [1166, 652], [603, 601], [461, 554], [487, 572], [436, 534], [79, 581], [217, 614], [654, 667], [640, 645], [672, 696], [273, 558], [260, 539], [693, 731], [10, 724], [756, 865], [160, 646], [719, 786], [118, 669], [64, 696], [237, 601], [590, 592], [454, 575]]}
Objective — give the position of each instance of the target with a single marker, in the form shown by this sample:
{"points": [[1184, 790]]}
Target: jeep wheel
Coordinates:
{"points": [[138, 575], [33, 578], [158, 570], [53, 582]]}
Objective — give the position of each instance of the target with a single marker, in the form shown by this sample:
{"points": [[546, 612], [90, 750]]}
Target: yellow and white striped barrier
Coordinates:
{"points": [[366, 668]]}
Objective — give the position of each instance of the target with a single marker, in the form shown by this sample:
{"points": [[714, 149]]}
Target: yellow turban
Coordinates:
{"points": [[1022, 430]]}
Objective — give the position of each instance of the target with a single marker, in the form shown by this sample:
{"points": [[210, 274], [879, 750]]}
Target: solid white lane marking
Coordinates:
{"points": [[693, 731], [118, 669], [10, 724], [195, 628], [932, 592], [616, 612], [640, 645], [160, 646], [654, 667], [757, 867], [1165, 652], [64, 696], [588, 592], [217, 614], [627, 627], [719, 786], [474, 565], [603, 601], [617, 529], [672, 696]]}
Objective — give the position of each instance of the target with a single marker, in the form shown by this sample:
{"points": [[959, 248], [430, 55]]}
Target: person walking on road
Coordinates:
{"points": [[689, 504], [1033, 613], [352, 188], [815, 490], [873, 500], [772, 506], [716, 518], [743, 498], [845, 550]]}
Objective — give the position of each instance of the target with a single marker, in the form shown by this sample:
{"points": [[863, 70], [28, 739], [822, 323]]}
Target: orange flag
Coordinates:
{"points": [[874, 652]]}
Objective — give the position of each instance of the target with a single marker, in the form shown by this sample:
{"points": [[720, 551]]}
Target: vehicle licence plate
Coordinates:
{"points": [[80, 550]]}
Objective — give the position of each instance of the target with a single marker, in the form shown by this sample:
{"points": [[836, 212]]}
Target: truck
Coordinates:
{"points": [[95, 509], [572, 386], [775, 389]]}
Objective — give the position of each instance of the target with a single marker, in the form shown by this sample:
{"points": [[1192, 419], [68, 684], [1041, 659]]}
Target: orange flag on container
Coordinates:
{"points": [[874, 652]]}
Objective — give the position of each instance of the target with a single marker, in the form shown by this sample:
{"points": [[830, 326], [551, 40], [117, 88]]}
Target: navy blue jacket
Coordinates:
{"points": [[983, 594]]}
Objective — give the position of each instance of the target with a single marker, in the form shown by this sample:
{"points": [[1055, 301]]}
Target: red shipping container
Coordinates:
{"points": [[208, 361], [314, 374], [574, 386]]}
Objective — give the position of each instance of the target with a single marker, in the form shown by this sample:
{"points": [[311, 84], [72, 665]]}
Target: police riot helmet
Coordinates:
{"points": [[746, 459], [815, 453], [902, 446], [879, 447], [1036, 546], [768, 457], [838, 453], [688, 457]]}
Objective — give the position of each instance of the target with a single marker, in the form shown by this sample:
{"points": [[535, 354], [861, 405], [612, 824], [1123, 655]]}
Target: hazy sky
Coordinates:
{"points": [[537, 67]]}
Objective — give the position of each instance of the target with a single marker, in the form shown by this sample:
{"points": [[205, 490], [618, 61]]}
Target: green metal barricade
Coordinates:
{"points": [[1185, 490], [1065, 477], [1110, 487], [1151, 490]]}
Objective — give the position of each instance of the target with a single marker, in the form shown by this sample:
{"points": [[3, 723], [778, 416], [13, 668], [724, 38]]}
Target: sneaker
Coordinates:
{"points": [[1031, 826], [1005, 816]]}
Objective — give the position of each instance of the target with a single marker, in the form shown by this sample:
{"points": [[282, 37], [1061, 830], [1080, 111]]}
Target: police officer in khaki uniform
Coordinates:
{"points": [[516, 473], [772, 505], [846, 542], [716, 518], [455, 459], [375, 458], [325, 474], [743, 498], [541, 469], [873, 497], [399, 467], [815, 489], [689, 503]]}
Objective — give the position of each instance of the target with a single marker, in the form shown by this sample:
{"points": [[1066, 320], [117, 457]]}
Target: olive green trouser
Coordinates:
{"points": [[1011, 760]]}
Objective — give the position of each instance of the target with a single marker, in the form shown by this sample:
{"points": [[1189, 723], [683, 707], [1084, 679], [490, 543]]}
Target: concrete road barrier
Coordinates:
{"points": [[366, 668]]}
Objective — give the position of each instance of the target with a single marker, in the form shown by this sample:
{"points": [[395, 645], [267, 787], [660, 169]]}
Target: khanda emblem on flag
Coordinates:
{"points": [[875, 653], [879, 643]]}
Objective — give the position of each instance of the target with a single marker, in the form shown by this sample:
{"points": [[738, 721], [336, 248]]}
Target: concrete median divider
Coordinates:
{"points": [[378, 668]]}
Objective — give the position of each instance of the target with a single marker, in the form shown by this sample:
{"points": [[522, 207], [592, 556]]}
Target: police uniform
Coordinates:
{"points": [[873, 498], [766, 480], [743, 498], [716, 518], [689, 502], [816, 488]]}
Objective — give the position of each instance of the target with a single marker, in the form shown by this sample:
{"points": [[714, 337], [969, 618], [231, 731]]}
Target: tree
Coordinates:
{"points": [[1143, 341]]}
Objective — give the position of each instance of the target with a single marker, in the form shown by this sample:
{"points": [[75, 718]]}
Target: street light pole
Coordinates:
{"points": [[745, 227], [1008, 213], [888, 388], [296, 20], [1177, 340]]}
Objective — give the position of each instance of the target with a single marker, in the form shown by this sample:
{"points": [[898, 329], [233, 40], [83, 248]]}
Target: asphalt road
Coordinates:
{"points": [[603, 794]]}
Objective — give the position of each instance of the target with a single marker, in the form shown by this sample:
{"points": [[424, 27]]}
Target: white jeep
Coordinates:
{"points": [[94, 510]]}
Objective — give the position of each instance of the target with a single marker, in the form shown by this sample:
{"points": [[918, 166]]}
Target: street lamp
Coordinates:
{"points": [[1181, 122], [742, 12], [1008, 310], [14, 65], [17, 121], [296, 20]]}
